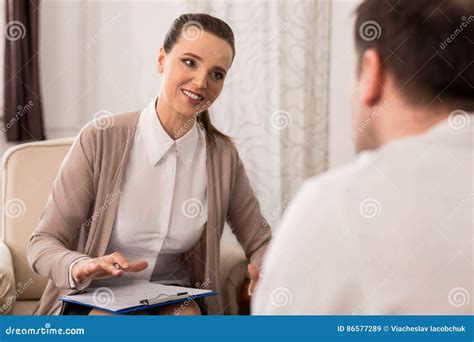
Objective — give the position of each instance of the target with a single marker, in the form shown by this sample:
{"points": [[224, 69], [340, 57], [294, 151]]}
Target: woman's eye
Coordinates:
{"points": [[189, 62], [218, 75]]}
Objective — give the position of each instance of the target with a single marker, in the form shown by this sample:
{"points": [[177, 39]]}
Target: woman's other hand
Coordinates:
{"points": [[254, 277]]}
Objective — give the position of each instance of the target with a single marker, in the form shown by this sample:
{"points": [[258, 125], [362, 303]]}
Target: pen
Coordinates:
{"points": [[163, 298]]}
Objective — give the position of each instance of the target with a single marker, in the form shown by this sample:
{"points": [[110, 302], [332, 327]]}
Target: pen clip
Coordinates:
{"points": [[159, 299]]}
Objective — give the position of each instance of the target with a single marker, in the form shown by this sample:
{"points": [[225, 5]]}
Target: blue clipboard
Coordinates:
{"points": [[145, 303]]}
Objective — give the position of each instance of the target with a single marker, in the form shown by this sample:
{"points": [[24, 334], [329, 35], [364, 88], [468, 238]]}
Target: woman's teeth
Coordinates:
{"points": [[192, 95]]}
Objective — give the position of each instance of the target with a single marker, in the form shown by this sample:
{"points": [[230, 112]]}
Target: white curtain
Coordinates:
{"points": [[101, 56], [275, 100]]}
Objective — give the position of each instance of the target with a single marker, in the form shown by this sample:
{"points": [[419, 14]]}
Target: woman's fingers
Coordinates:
{"points": [[104, 267], [254, 276], [81, 271], [97, 268], [137, 266], [108, 268], [79, 275], [253, 272], [117, 258]]}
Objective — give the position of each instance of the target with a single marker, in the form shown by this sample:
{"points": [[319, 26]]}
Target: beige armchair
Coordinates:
{"points": [[28, 173]]}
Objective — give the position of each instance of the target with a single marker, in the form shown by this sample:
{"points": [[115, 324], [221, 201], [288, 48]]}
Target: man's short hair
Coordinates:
{"points": [[428, 45]]}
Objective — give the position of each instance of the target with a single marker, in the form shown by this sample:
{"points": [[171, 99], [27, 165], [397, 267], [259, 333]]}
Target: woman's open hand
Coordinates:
{"points": [[104, 267]]}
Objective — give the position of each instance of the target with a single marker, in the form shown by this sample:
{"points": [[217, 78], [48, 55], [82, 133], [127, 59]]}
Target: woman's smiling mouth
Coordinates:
{"points": [[191, 95]]}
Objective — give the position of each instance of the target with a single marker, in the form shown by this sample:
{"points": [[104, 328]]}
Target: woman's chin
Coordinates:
{"points": [[190, 110], [188, 113]]}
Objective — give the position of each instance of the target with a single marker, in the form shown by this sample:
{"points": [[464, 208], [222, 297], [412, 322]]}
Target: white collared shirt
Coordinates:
{"points": [[163, 204]]}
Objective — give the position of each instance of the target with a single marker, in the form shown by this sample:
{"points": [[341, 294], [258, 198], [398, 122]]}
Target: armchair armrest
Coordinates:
{"points": [[7, 280], [233, 275]]}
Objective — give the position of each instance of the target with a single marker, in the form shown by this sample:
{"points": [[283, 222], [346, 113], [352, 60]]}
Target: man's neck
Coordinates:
{"points": [[402, 121]]}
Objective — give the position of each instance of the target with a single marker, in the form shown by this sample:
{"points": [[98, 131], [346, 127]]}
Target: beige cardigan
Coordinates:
{"points": [[82, 206]]}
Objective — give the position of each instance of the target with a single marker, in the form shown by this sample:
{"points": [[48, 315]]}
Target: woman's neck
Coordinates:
{"points": [[174, 123]]}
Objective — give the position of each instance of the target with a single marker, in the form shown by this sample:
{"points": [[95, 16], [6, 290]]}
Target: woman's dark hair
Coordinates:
{"points": [[194, 24]]}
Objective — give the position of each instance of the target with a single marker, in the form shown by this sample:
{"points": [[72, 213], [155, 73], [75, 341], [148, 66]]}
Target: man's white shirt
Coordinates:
{"points": [[390, 233]]}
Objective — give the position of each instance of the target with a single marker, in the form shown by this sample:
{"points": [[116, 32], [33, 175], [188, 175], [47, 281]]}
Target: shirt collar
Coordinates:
{"points": [[187, 145], [158, 142]]}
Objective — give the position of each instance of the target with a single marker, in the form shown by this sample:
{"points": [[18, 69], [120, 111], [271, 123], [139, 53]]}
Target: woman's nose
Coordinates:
{"points": [[200, 81]]}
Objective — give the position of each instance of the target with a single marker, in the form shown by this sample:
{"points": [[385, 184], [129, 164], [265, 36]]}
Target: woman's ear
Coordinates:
{"points": [[161, 60], [372, 77]]}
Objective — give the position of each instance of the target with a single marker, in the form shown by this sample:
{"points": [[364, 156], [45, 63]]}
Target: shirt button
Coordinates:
{"points": [[161, 235]]}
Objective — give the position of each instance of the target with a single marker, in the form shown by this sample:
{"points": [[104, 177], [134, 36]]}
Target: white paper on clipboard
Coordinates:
{"points": [[120, 298]]}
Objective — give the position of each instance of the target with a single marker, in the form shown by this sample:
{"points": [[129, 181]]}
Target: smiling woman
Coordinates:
{"points": [[175, 180], [194, 60]]}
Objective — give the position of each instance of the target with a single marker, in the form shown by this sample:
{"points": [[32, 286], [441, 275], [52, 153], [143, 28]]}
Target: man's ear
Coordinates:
{"points": [[161, 60], [372, 78]]}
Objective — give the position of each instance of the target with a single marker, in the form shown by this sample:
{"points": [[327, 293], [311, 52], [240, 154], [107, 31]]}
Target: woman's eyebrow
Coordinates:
{"points": [[200, 59]]}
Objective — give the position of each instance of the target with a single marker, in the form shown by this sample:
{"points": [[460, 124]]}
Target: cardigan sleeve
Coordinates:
{"points": [[244, 216], [49, 250]]}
